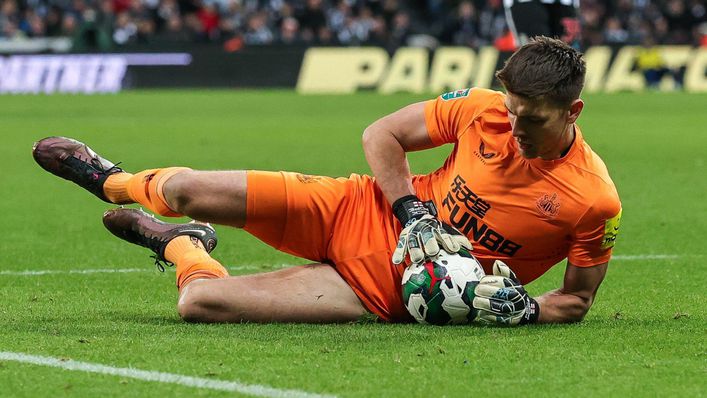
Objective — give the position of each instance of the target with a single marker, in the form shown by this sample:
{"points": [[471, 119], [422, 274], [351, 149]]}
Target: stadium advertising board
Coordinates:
{"points": [[321, 70], [346, 70], [88, 74]]}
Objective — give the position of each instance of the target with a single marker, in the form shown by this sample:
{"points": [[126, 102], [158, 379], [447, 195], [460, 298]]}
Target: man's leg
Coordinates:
{"points": [[312, 293], [218, 197], [211, 196], [308, 293]]}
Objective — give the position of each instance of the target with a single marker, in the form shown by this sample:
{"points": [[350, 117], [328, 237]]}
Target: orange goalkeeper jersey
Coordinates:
{"points": [[530, 213]]}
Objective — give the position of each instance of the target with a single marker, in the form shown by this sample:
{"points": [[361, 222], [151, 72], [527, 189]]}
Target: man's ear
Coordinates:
{"points": [[575, 109]]}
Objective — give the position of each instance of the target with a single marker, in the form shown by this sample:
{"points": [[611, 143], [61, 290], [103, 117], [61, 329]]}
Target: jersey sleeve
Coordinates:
{"points": [[596, 233], [448, 116]]}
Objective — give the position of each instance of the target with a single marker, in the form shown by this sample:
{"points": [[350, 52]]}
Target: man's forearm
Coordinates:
{"points": [[386, 157], [558, 307]]}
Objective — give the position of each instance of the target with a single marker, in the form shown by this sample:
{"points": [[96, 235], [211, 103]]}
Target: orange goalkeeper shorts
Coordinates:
{"points": [[346, 222]]}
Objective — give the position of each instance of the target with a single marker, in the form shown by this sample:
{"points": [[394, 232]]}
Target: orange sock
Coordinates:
{"points": [[116, 188], [146, 186], [192, 261]]}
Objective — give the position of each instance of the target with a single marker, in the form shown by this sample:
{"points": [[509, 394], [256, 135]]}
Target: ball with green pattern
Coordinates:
{"points": [[440, 291]]}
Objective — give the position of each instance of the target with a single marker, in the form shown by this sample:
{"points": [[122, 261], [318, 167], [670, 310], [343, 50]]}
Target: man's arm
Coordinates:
{"points": [[501, 298], [572, 301], [385, 143]]}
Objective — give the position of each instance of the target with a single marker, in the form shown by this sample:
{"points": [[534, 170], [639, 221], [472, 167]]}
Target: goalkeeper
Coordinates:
{"points": [[520, 184]]}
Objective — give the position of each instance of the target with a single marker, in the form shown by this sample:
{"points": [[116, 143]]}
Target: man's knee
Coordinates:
{"points": [[197, 303], [179, 192]]}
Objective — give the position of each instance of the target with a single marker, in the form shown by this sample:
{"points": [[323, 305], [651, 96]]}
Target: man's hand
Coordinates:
{"points": [[422, 239], [423, 233], [502, 299]]}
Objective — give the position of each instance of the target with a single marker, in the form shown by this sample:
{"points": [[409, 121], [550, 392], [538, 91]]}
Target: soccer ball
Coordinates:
{"points": [[440, 291]]}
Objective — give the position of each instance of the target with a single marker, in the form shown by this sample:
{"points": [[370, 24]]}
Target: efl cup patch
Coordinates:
{"points": [[456, 94], [611, 229]]}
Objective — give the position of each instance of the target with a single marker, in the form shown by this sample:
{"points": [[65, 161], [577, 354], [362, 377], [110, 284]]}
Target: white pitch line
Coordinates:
{"points": [[160, 377], [71, 271], [629, 257]]}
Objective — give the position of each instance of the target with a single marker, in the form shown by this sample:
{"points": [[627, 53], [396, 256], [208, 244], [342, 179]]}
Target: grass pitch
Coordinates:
{"points": [[645, 335]]}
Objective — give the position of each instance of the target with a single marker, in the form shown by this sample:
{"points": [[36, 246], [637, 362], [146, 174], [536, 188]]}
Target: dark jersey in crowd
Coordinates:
{"points": [[552, 18]]}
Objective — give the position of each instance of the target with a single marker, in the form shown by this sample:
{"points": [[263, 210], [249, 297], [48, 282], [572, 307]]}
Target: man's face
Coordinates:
{"points": [[540, 128]]}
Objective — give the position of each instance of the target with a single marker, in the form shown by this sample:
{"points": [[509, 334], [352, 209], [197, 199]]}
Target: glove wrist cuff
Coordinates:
{"points": [[409, 208], [532, 312]]}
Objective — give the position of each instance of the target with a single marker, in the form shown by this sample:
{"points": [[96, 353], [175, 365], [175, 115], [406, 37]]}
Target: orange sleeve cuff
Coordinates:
{"points": [[585, 262]]}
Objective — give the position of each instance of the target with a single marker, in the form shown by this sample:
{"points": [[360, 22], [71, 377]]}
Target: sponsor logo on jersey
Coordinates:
{"points": [[611, 229], [548, 205], [148, 177], [482, 154], [456, 94], [467, 211], [307, 179]]}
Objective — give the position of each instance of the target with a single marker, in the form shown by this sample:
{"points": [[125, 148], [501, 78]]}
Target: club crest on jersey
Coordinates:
{"points": [[455, 94], [547, 205]]}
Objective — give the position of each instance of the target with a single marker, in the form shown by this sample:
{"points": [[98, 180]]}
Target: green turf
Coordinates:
{"points": [[645, 336]]}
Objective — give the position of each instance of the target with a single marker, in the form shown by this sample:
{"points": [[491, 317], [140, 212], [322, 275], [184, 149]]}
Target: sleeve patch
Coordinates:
{"points": [[455, 94], [611, 230]]}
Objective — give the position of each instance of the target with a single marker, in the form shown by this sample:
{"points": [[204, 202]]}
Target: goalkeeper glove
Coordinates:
{"points": [[423, 233], [501, 298]]}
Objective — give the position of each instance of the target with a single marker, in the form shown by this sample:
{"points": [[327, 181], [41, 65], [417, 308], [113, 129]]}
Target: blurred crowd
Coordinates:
{"points": [[644, 21], [106, 24]]}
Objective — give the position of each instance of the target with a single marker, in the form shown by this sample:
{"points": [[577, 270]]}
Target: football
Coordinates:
{"points": [[440, 291]]}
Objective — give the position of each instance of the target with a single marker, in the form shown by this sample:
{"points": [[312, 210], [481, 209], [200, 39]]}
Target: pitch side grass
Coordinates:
{"points": [[70, 290]]}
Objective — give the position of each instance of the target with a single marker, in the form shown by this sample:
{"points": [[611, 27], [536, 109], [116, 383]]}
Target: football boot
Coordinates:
{"points": [[140, 228], [74, 161]]}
